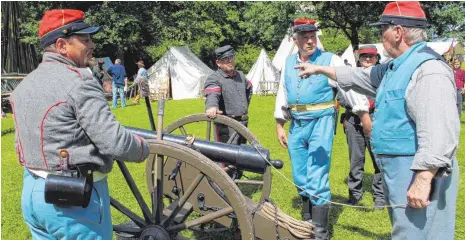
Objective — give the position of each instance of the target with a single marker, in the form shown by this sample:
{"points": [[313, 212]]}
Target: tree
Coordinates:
{"points": [[447, 19], [264, 24], [127, 29], [349, 18]]}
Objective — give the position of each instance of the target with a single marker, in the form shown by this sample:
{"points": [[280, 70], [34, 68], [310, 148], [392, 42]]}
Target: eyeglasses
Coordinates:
{"points": [[228, 59], [364, 56]]}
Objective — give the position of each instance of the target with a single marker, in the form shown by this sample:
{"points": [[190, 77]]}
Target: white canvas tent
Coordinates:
{"points": [[439, 47], [263, 71], [287, 48], [178, 74]]}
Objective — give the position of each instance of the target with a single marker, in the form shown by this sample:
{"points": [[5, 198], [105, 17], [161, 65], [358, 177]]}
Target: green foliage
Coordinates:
{"points": [[447, 19], [265, 23], [333, 41], [246, 57], [124, 26], [134, 30], [349, 18]]}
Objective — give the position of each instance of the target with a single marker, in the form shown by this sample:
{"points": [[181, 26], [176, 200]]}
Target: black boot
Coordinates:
{"points": [[306, 209], [320, 214]]}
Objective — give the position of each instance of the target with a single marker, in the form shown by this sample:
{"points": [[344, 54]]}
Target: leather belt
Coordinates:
{"points": [[97, 176], [311, 107], [240, 118]]}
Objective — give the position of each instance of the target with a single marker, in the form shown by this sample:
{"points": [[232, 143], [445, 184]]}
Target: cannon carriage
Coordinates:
{"points": [[190, 190]]}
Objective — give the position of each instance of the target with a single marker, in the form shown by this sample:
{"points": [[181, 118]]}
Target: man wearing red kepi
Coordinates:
{"points": [[309, 106], [66, 136], [357, 127], [415, 145]]}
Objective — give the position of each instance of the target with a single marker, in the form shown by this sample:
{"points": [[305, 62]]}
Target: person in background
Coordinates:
{"points": [[357, 126], [140, 81], [227, 92], [416, 127], [98, 71], [59, 132], [118, 74], [459, 75]]}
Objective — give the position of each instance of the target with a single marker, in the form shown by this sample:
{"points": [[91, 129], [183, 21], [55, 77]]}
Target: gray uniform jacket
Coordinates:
{"points": [[230, 94], [62, 119], [430, 102]]}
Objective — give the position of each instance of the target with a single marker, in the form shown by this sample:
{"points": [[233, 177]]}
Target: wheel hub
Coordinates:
{"points": [[154, 232]]}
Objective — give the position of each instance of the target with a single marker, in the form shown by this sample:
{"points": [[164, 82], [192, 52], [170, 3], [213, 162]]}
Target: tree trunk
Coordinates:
{"points": [[355, 41], [120, 54]]}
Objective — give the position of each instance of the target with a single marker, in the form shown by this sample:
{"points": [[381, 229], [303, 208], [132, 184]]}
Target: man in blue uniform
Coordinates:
{"points": [[415, 124], [309, 104]]}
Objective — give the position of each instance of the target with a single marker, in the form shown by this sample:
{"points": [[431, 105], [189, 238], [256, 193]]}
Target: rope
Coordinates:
{"points": [[299, 229], [316, 196]]}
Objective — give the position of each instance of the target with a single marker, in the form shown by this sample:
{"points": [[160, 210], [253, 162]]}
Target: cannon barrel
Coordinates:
{"points": [[241, 156]]}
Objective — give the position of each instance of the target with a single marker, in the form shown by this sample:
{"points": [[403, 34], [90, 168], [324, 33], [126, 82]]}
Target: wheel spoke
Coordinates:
{"points": [[157, 194], [131, 215], [204, 219], [232, 137], [135, 192], [184, 198], [250, 182], [209, 129], [131, 230], [183, 131]]}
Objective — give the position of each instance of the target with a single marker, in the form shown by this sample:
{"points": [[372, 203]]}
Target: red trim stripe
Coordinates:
{"points": [[19, 148], [74, 70], [211, 90], [42, 131]]}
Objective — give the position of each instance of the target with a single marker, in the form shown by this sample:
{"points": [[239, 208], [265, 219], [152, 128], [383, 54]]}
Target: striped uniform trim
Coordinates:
{"points": [[212, 90]]}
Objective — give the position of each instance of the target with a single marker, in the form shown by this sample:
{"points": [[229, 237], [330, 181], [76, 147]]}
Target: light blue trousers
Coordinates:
{"points": [[115, 91], [436, 221], [309, 145], [48, 221]]}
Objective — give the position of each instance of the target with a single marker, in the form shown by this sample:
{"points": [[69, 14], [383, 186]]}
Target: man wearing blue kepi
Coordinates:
{"points": [[415, 124], [309, 104]]}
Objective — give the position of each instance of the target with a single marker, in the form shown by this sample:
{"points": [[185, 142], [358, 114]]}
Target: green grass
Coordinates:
{"points": [[346, 223]]}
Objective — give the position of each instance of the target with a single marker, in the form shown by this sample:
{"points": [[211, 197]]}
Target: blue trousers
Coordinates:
{"points": [[48, 221], [436, 221], [115, 90], [309, 145]]}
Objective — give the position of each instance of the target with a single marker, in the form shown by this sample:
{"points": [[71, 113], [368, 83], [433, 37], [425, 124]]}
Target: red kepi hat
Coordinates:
{"points": [[60, 23], [409, 14], [304, 25], [368, 49]]}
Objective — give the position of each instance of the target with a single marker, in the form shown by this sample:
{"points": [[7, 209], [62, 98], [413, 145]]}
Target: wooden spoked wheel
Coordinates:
{"points": [[202, 127], [206, 194]]}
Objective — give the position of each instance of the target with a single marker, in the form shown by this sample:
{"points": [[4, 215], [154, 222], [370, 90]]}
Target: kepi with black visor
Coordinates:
{"points": [[62, 23]]}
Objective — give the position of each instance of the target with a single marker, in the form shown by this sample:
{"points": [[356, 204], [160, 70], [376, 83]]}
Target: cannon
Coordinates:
{"points": [[189, 190]]}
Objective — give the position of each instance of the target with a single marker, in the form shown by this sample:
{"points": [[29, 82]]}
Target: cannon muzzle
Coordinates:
{"points": [[243, 157]]}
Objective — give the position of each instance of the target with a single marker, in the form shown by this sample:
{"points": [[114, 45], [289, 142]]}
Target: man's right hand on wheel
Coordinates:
{"points": [[212, 112]]}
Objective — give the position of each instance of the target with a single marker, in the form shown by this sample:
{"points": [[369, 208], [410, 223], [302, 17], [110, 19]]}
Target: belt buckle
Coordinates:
{"points": [[301, 108], [244, 117]]}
